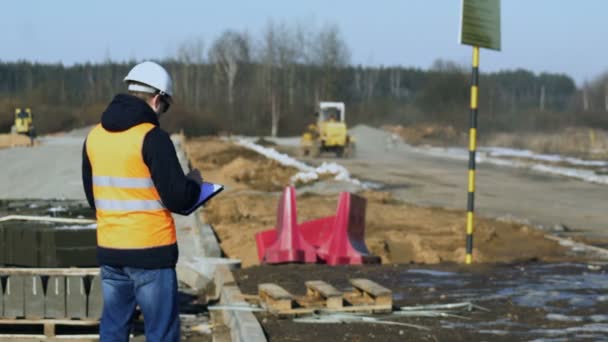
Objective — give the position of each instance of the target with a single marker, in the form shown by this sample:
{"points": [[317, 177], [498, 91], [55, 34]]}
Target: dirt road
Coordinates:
{"points": [[418, 177]]}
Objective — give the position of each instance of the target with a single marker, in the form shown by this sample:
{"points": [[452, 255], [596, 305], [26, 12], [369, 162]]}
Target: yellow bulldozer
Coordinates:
{"points": [[23, 125], [23, 121], [328, 133]]}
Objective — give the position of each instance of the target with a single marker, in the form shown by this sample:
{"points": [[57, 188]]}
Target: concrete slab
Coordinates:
{"points": [[243, 325], [70, 238], [55, 304], [2, 296], [76, 297], [198, 272], [14, 301], [41, 245], [46, 249], [34, 297], [2, 245], [76, 257], [95, 299]]}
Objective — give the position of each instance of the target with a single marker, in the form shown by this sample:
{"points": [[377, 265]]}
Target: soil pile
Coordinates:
{"points": [[12, 140], [236, 167]]}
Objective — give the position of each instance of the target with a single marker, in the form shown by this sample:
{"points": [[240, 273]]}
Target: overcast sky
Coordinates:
{"points": [[565, 36]]}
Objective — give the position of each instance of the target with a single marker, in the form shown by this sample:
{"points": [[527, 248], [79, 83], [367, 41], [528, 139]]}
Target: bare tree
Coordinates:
{"points": [[228, 52], [329, 48], [330, 52], [191, 55], [281, 49]]}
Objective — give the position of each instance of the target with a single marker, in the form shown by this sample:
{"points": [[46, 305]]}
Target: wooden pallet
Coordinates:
{"points": [[50, 271], [49, 330], [367, 296]]}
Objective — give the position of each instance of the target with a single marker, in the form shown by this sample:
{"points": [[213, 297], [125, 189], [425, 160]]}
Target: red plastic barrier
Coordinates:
{"points": [[314, 232], [317, 231], [289, 245], [346, 245]]}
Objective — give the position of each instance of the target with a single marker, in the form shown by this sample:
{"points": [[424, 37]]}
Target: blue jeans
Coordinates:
{"points": [[155, 291]]}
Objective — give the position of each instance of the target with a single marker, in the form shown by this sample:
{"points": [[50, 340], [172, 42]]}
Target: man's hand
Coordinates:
{"points": [[195, 175]]}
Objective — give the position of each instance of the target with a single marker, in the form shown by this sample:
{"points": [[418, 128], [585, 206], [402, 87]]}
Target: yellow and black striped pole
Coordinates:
{"points": [[472, 152]]}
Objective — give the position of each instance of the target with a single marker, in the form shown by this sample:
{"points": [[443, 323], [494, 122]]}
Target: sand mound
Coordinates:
{"points": [[237, 167], [13, 140]]}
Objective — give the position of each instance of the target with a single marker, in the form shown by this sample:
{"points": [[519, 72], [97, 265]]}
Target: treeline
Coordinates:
{"points": [[270, 84]]}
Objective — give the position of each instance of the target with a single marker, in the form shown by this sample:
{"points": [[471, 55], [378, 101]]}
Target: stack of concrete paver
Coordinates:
{"points": [[27, 244], [51, 296], [45, 266]]}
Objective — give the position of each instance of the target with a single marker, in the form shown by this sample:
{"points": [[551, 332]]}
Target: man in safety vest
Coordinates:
{"points": [[133, 180]]}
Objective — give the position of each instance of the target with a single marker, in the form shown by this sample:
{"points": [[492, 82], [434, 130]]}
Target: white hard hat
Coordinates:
{"points": [[150, 74]]}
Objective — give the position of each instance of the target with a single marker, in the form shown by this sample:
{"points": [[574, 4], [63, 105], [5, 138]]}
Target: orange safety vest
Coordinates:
{"points": [[130, 214]]}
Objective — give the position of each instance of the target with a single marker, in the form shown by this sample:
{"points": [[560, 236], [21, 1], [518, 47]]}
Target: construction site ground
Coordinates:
{"points": [[525, 301], [414, 215], [416, 223]]}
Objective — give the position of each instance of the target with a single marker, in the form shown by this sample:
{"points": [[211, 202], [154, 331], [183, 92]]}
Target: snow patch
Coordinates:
{"points": [[306, 172], [493, 155]]}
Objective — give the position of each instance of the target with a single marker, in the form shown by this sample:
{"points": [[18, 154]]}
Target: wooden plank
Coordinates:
{"points": [[378, 294], [38, 338], [49, 329], [74, 322], [276, 297], [363, 308], [295, 312], [320, 289], [72, 271]]}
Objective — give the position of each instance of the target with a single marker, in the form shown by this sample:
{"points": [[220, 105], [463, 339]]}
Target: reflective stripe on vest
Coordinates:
{"points": [[130, 214]]}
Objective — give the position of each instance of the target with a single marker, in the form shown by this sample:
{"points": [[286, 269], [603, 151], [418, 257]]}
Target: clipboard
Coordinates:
{"points": [[208, 191]]}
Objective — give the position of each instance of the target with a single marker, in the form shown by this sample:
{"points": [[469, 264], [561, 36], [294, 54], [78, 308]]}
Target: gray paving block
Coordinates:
{"points": [[43, 245], [23, 246], [46, 249], [67, 238], [2, 245], [34, 297], [14, 301], [1, 297], [54, 300], [95, 299], [10, 245], [76, 297], [77, 256]]}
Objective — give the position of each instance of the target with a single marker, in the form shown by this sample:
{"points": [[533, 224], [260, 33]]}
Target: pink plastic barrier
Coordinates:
{"points": [[335, 240], [314, 232], [289, 245], [346, 245]]}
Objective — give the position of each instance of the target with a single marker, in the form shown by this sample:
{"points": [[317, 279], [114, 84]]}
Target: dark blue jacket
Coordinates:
{"points": [[177, 192]]}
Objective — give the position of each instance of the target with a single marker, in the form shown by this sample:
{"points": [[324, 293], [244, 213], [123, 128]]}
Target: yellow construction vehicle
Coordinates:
{"points": [[329, 133], [23, 121]]}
